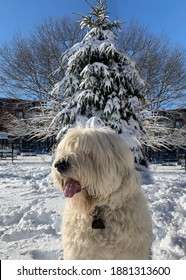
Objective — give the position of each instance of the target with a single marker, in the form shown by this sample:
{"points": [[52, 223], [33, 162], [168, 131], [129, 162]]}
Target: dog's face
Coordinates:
{"points": [[91, 164]]}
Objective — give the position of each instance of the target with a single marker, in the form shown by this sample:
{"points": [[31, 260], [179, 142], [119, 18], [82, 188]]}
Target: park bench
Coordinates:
{"points": [[4, 154]]}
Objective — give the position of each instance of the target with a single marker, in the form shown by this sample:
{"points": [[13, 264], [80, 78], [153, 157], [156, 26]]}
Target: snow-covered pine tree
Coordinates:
{"points": [[101, 85]]}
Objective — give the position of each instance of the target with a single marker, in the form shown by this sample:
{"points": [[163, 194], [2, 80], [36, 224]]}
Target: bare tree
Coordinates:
{"points": [[27, 64], [161, 66], [28, 71]]}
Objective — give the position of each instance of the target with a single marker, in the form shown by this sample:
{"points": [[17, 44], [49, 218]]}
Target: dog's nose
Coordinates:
{"points": [[62, 166]]}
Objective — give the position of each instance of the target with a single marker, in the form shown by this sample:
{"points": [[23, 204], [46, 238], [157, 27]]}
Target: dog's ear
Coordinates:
{"points": [[129, 187], [131, 183]]}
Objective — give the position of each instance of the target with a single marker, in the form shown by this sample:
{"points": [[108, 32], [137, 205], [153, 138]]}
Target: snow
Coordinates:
{"points": [[167, 197], [31, 209], [94, 34]]}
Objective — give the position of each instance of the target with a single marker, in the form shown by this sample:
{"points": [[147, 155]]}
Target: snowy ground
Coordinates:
{"points": [[30, 209]]}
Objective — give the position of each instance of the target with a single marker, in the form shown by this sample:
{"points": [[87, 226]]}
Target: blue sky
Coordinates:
{"points": [[168, 16]]}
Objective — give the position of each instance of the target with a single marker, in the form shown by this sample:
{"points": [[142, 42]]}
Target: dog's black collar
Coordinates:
{"points": [[97, 221]]}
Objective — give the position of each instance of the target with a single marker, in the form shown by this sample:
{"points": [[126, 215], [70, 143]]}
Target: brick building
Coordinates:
{"points": [[20, 109], [16, 107], [172, 119]]}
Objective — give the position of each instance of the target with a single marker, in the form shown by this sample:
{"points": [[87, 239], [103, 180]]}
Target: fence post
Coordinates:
{"points": [[12, 152]]}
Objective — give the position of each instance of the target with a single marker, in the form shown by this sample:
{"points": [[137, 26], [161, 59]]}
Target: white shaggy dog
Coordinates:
{"points": [[106, 214]]}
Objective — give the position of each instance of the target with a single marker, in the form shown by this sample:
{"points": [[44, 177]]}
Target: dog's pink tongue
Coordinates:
{"points": [[71, 188]]}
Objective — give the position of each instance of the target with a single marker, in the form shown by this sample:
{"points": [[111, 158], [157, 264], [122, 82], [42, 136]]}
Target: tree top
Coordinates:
{"points": [[98, 17]]}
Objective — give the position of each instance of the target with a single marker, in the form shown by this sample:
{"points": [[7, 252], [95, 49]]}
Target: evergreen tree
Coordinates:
{"points": [[101, 85]]}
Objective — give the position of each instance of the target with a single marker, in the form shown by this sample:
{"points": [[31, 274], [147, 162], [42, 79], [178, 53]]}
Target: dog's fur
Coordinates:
{"points": [[100, 164]]}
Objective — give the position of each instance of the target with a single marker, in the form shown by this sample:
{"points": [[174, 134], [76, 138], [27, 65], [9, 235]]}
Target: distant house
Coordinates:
{"points": [[175, 118], [3, 139], [172, 118], [21, 109]]}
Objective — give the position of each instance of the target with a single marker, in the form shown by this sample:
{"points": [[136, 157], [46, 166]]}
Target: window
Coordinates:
{"points": [[179, 124], [19, 115]]}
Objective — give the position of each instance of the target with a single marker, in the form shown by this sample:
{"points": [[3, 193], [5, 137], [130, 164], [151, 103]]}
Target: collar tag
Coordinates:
{"points": [[97, 222]]}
